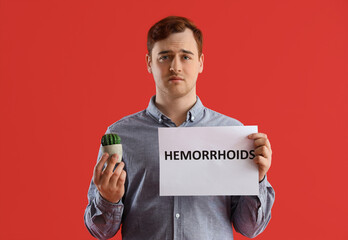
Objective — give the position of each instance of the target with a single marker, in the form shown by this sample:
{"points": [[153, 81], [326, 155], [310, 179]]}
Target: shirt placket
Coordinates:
{"points": [[177, 219]]}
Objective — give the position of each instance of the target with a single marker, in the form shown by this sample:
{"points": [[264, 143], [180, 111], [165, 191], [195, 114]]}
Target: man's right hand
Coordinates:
{"points": [[110, 183]]}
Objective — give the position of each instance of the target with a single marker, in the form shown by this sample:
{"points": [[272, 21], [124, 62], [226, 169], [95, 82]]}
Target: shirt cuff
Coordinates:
{"points": [[263, 189], [106, 206], [262, 179], [263, 182]]}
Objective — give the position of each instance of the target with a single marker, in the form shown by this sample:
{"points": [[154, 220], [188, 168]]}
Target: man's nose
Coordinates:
{"points": [[176, 64]]}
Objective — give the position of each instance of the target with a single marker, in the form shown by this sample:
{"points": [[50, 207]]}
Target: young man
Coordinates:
{"points": [[130, 194]]}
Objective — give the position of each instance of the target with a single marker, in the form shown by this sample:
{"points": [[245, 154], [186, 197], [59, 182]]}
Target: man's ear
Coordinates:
{"points": [[148, 63], [201, 60]]}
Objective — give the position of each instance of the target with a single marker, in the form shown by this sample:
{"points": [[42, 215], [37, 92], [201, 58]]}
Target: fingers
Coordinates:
{"points": [[109, 169], [257, 135], [263, 151], [116, 176], [261, 161], [263, 166], [98, 168], [122, 179], [110, 181], [260, 139]]}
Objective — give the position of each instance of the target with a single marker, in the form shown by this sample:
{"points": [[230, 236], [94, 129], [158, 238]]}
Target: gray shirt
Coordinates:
{"points": [[146, 215]]}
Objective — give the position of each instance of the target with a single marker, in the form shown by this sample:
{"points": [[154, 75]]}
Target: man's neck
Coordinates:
{"points": [[176, 108]]}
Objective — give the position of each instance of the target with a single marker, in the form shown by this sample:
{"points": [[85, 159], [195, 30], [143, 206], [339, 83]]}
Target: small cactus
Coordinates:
{"points": [[109, 139]]}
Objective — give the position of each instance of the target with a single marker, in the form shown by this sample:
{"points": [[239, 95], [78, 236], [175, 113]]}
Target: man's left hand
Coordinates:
{"points": [[263, 153]]}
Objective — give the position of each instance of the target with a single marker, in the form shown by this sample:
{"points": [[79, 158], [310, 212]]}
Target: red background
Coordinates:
{"points": [[69, 69]]}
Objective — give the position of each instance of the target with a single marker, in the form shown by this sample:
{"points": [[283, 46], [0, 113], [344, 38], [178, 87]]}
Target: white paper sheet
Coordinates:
{"points": [[207, 161]]}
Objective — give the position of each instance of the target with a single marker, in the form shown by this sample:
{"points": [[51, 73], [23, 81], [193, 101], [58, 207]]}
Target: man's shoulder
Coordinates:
{"points": [[131, 119], [221, 119]]}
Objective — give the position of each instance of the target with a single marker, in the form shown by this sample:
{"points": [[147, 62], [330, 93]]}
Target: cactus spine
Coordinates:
{"points": [[109, 139]]}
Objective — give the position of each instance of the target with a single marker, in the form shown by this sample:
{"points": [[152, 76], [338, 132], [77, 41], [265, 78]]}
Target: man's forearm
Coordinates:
{"points": [[102, 218], [252, 213]]}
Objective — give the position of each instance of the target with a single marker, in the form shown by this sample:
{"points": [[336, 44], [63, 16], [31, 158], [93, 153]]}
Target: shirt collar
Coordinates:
{"points": [[194, 114]]}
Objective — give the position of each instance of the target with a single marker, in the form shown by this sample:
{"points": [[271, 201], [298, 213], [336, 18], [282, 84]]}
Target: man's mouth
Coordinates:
{"points": [[175, 78]]}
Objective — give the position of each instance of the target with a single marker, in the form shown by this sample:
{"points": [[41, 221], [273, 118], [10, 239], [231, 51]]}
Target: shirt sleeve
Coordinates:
{"points": [[102, 218], [251, 214]]}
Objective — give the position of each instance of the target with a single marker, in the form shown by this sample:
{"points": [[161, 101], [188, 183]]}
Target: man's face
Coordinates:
{"points": [[175, 64]]}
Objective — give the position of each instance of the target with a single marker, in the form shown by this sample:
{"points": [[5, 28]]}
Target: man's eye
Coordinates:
{"points": [[186, 57], [163, 58]]}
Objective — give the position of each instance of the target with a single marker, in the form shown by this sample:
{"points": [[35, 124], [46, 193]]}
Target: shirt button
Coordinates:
{"points": [[160, 120], [177, 215], [192, 118]]}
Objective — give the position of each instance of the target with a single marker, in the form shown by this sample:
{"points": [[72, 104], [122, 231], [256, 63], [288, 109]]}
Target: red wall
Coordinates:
{"points": [[68, 69]]}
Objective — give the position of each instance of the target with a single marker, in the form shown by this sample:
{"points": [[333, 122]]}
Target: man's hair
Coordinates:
{"points": [[169, 25]]}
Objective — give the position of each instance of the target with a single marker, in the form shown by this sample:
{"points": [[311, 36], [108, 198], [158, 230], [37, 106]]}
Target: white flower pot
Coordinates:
{"points": [[112, 149]]}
